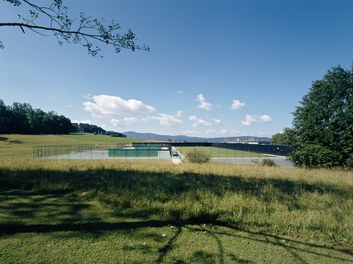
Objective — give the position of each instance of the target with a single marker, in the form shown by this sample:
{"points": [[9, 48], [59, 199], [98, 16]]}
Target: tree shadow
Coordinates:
{"points": [[64, 212], [53, 193]]}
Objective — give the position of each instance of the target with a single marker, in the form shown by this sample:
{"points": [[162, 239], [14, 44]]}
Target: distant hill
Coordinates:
{"points": [[151, 136]]}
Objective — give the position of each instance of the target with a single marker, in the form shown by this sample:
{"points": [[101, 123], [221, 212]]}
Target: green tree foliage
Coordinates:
{"points": [[284, 138], [21, 118], [86, 31], [323, 124]]}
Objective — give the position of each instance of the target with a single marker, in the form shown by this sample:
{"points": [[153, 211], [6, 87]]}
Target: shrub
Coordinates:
{"points": [[197, 156], [268, 162], [315, 156]]}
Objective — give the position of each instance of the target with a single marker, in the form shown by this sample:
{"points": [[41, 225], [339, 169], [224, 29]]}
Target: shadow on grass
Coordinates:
{"points": [[147, 183], [98, 228], [51, 194]]}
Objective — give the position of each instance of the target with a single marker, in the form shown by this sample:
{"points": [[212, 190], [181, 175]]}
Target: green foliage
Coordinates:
{"points": [[315, 156], [323, 124], [268, 163], [197, 156], [284, 138], [21, 118], [349, 161]]}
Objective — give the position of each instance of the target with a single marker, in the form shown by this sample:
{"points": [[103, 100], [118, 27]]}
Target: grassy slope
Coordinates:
{"points": [[121, 211], [21, 146], [84, 211]]}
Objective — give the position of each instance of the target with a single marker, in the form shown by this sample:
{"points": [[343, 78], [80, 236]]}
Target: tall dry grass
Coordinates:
{"points": [[313, 205]]}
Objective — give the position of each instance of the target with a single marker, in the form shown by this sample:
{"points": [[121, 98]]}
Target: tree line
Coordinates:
{"points": [[22, 118]]}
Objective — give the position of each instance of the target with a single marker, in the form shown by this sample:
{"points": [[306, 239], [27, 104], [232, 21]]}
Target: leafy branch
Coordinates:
{"points": [[86, 31]]}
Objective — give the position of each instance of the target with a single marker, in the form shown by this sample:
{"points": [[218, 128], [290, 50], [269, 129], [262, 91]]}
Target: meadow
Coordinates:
{"points": [[156, 212]]}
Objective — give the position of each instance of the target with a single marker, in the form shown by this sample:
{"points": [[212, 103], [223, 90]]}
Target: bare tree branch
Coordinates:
{"points": [[84, 31]]}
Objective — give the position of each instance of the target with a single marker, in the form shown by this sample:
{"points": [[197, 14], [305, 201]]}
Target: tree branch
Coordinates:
{"points": [[86, 29], [22, 25]]}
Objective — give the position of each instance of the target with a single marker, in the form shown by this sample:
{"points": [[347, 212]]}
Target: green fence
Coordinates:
{"points": [[99, 151], [134, 152]]}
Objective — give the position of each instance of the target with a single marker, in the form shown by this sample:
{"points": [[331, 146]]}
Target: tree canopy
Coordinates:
{"points": [[21, 118], [323, 123], [86, 31]]}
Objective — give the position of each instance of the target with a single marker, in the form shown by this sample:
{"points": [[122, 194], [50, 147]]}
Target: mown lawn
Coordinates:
{"points": [[156, 212]]}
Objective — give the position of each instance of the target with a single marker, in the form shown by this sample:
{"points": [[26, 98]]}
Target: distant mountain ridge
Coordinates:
{"points": [[152, 136]]}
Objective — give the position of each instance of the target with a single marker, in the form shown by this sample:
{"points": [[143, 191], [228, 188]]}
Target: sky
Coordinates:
{"points": [[215, 68]]}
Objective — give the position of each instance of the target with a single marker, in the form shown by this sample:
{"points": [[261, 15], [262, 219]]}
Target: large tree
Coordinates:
{"points": [[86, 30], [323, 124]]}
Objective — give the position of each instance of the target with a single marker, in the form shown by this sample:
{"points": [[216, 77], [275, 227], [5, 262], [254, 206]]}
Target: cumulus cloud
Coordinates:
{"points": [[236, 104], [265, 118], [198, 121], [203, 104], [164, 119], [125, 122], [250, 119], [107, 105]]}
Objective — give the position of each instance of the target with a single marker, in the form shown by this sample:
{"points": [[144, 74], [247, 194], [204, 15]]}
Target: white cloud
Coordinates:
{"points": [[125, 122], [107, 105], [250, 119], [265, 118], [180, 91], [236, 104], [217, 121], [198, 121], [82, 122], [203, 104], [165, 119]]}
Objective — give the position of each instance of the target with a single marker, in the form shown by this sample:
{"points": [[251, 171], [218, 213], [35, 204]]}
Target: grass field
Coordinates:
{"points": [[21, 146], [214, 152], [137, 212]]}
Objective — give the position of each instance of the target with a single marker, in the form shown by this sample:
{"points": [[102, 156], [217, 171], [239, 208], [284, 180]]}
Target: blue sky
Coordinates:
{"points": [[216, 68]]}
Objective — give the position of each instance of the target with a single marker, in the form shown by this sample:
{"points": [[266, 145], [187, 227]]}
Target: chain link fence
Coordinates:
{"points": [[158, 150]]}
